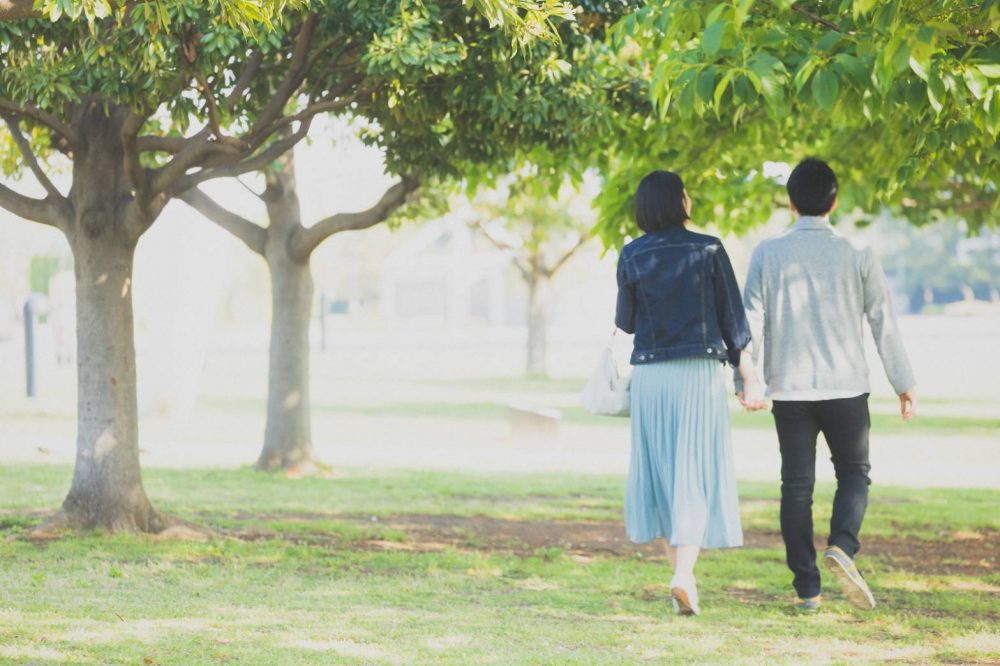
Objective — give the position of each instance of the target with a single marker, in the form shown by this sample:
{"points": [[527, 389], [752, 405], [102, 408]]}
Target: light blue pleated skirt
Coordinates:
{"points": [[681, 481]]}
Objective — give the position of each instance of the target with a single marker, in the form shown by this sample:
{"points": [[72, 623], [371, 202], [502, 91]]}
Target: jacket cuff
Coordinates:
{"points": [[734, 357]]}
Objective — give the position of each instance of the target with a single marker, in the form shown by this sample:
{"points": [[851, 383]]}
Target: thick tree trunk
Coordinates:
{"points": [[288, 434], [107, 490], [537, 324]]}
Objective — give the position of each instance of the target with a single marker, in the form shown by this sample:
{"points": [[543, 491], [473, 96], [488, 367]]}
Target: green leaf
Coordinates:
{"points": [[916, 95], [742, 9], [935, 92], [853, 68], [711, 39], [825, 88], [803, 73], [720, 88], [919, 66], [828, 41], [774, 90], [976, 82], [706, 84], [991, 70], [862, 7]]}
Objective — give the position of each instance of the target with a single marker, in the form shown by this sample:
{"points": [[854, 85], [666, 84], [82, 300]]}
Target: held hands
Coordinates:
{"points": [[752, 395], [908, 404]]}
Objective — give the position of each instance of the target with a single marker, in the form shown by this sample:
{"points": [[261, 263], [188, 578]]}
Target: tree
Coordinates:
{"points": [[541, 228], [903, 97], [939, 263], [286, 245], [457, 102], [115, 96]]}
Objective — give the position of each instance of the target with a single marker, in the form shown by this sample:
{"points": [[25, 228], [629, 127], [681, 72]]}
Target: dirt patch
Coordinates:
{"points": [[961, 554]]}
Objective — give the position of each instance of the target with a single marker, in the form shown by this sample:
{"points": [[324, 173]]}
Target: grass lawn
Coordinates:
{"points": [[420, 567]]}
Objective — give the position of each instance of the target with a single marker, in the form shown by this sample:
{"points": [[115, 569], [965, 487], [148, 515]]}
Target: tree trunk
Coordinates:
{"points": [[288, 434], [107, 490], [537, 325]]}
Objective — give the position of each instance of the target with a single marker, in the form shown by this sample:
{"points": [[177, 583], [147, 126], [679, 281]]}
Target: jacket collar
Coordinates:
{"points": [[812, 222]]}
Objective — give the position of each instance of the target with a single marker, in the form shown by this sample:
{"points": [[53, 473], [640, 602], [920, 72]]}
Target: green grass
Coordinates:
{"points": [[883, 422], [291, 598]]}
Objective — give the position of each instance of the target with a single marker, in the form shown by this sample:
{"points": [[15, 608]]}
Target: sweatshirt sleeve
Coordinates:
{"points": [[753, 305], [878, 312], [729, 307]]}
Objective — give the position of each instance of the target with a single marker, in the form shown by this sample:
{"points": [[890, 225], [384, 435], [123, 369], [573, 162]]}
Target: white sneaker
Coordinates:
{"points": [[685, 597]]}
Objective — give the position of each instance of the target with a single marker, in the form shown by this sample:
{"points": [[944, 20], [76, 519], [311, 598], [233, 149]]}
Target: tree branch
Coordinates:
{"points": [[812, 17], [40, 116], [816, 19], [515, 256], [253, 235], [137, 174], [199, 147], [272, 110], [29, 155], [549, 272], [325, 106], [15, 10], [305, 240], [230, 169], [44, 211], [162, 144], [250, 189], [245, 78]]}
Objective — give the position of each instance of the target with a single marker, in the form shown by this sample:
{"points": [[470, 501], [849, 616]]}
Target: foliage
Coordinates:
{"points": [[437, 87], [245, 14], [524, 20], [539, 227], [940, 263], [902, 97]]}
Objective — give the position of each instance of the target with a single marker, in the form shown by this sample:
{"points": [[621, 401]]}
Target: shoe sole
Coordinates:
{"points": [[855, 591], [681, 602]]}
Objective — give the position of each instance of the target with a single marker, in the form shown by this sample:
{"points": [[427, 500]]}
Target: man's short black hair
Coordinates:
{"points": [[659, 202], [812, 187]]}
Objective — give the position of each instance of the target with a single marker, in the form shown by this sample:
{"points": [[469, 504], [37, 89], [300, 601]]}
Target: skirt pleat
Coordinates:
{"points": [[681, 480]]}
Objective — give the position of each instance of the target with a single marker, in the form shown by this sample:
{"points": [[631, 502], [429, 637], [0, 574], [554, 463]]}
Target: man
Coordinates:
{"points": [[807, 291]]}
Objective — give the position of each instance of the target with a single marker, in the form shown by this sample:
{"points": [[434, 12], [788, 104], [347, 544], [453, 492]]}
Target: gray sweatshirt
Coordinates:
{"points": [[806, 293]]}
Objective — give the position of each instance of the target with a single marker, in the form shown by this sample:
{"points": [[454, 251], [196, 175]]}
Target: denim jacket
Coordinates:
{"points": [[678, 294]]}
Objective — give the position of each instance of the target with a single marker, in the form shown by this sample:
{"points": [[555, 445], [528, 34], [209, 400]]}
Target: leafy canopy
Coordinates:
{"points": [[902, 97], [436, 86], [524, 20]]}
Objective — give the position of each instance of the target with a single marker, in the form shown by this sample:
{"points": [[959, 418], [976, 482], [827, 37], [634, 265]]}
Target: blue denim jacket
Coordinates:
{"points": [[678, 294]]}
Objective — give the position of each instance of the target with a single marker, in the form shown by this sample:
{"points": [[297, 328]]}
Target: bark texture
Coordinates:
{"points": [[287, 247], [288, 433], [107, 490], [537, 363]]}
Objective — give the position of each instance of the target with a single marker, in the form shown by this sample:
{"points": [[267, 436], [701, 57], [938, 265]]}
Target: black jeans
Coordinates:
{"points": [[845, 424]]}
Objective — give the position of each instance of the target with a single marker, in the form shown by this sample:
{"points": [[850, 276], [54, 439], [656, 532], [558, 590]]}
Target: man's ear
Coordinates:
{"points": [[836, 201], [795, 211]]}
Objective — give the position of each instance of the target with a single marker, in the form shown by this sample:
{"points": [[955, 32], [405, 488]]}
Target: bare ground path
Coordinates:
{"points": [[959, 553]]}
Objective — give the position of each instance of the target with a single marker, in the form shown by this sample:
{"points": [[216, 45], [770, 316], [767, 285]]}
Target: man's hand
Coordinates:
{"points": [[752, 396], [908, 404], [751, 404]]}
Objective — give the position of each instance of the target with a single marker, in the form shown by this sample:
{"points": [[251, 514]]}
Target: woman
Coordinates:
{"points": [[678, 295]]}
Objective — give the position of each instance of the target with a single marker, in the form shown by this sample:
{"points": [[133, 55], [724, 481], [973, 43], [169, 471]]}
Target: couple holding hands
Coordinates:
{"points": [[807, 293]]}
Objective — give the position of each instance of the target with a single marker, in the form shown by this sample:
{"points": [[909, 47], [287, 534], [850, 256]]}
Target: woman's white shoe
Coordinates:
{"points": [[685, 597]]}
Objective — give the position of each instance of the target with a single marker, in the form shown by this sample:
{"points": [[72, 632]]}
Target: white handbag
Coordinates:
{"points": [[606, 392]]}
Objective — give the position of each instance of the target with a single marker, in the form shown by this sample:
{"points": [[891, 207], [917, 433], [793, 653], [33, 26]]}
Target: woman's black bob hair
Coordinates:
{"points": [[659, 202]]}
